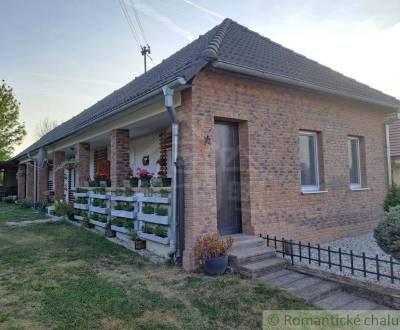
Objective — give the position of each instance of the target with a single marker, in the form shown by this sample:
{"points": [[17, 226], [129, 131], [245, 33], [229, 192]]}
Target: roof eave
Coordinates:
{"points": [[298, 83]]}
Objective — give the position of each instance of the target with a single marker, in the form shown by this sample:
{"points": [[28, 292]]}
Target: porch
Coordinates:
{"points": [[8, 179]]}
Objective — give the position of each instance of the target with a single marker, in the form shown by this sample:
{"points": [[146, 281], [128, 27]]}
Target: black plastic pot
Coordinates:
{"points": [[140, 244], [134, 182], [216, 266], [145, 181], [166, 182]]}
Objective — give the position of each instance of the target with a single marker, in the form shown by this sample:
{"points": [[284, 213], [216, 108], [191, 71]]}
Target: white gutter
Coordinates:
{"points": [[168, 91]]}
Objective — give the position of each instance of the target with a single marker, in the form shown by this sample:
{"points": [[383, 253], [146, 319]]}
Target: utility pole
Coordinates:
{"points": [[145, 51]]}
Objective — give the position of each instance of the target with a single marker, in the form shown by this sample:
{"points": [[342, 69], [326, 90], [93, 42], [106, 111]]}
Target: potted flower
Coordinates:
{"points": [[144, 175], [140, 244], [108, 231], [166, 181], [212, 252], [130, 180]]}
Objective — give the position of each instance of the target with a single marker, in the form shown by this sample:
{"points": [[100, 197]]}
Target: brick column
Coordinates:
{"points": [[58, 175], [82, 158], [42, 181], [21, 181], [119, 156], [29, 180]]}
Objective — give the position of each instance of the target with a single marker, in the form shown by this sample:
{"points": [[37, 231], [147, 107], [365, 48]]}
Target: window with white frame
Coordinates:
{"points": [[308, 143], [354, 162]]}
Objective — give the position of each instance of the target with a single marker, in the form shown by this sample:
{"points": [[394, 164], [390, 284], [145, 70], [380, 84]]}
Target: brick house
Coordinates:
{"points": [[272, 142]]}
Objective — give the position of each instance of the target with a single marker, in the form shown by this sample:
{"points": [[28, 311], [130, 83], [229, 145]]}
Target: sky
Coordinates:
{"points": [[63, 56]]}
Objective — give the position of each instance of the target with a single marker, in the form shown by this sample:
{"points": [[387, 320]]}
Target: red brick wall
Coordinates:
{"points": [[270, 118], [21, 181], [82, 158], [29, 180], [119, 156], [43, 177], [58, 175]]}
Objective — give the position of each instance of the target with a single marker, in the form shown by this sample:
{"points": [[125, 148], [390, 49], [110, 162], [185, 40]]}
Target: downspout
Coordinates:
{"points": [[388, 158], [34, 178], [168, 91]]}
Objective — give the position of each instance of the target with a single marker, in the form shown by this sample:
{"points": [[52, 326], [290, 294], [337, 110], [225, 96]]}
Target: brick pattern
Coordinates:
{"points": [[82, 158], [270, 118], [29, 180], [21, 181], [42, 183], [119, 156], [58, 175]]}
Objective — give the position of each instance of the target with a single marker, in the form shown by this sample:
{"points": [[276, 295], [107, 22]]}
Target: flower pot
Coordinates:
{"points": [[140, 244], [144, 182], [166, 182], [134, 182], [216, 266], [109, 233]]}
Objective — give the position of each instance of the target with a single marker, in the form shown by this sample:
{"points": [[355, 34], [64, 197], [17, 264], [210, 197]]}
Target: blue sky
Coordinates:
{"points": [[63, 56]]}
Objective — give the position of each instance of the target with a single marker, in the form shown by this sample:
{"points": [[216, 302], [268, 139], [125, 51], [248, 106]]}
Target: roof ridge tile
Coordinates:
{"points": [[211, 51]]}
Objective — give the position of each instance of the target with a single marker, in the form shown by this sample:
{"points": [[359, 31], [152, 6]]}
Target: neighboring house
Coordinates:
{"points": [[272, 142], [394, 138]]}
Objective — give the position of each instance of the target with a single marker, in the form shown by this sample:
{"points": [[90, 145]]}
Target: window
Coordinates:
{"points": [[354, 162], [309, 161]]}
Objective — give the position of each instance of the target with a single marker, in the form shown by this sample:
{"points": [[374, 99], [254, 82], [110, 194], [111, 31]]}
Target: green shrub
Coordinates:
{"points": [[148, 209], [86, 220], [387, 233], [26, 203], [81, 190], [63, 209], [392, 198], [99, 190], [147, 229], [123, 206], [81, 200], [102, 203], [162, 211], [164, 192], [9, 199], [160, 231]]}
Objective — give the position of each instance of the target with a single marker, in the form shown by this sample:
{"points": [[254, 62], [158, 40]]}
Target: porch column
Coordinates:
{"points": [[21, 181], [29, 180], [119, 156], [82, 158], [58, 175], [42, 183]]}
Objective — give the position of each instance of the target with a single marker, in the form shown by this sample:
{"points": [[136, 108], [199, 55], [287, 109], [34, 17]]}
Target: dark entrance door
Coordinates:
{"points": [[228, 178]]}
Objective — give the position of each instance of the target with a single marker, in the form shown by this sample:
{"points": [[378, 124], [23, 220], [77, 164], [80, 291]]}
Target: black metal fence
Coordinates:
{"points": [[355, 263]]}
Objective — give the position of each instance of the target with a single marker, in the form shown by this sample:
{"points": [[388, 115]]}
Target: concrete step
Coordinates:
{"points": [[336, 300], [285, 279], [361, 304], [251, 254], [246, 241], [260, 268], [276, 274]]}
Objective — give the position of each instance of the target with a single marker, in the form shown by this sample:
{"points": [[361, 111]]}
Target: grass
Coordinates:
{"points": [[9, 212], [59, 276]]}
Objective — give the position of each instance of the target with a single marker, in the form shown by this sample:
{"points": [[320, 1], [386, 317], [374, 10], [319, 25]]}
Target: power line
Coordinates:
{"points": [[130, 23], [138, 21]]}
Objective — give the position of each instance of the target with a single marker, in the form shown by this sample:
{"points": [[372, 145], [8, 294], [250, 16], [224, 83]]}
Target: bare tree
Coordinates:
{"points": [[44, 127]]}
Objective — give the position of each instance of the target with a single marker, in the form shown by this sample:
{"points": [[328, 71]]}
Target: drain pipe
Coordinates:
{"points": [[168, 91], [34, 178]]}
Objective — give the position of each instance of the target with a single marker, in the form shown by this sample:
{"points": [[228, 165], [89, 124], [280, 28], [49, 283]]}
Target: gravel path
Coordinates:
{"points": [[357, 244]]}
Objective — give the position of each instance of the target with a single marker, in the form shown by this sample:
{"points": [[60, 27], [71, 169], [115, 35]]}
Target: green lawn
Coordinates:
{"points": [[59, 276], [9, 212]]}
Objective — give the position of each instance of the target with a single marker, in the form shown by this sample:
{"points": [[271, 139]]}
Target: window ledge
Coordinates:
{"points": [[314, 192], [359, 189]]}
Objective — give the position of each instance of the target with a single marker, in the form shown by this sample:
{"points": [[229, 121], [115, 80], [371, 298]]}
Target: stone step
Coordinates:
{"points": [[276, 274], [246, 241], [284, 279], [336, 300], [260, 268], [311, 294], [251, 254]]}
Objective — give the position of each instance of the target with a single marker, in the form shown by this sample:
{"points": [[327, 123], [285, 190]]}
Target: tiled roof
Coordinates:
{"points": [[233, 44]]}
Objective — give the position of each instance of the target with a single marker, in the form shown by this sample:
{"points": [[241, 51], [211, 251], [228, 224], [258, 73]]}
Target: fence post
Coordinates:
{"points": [[340, 259], [267, 240], [275, 242], [319, 255], [300, 250], [377, 267], [391, 270], [364, 265], [309, 252], [329, 257], [291, 252], [283, 247], [351, 262]]}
